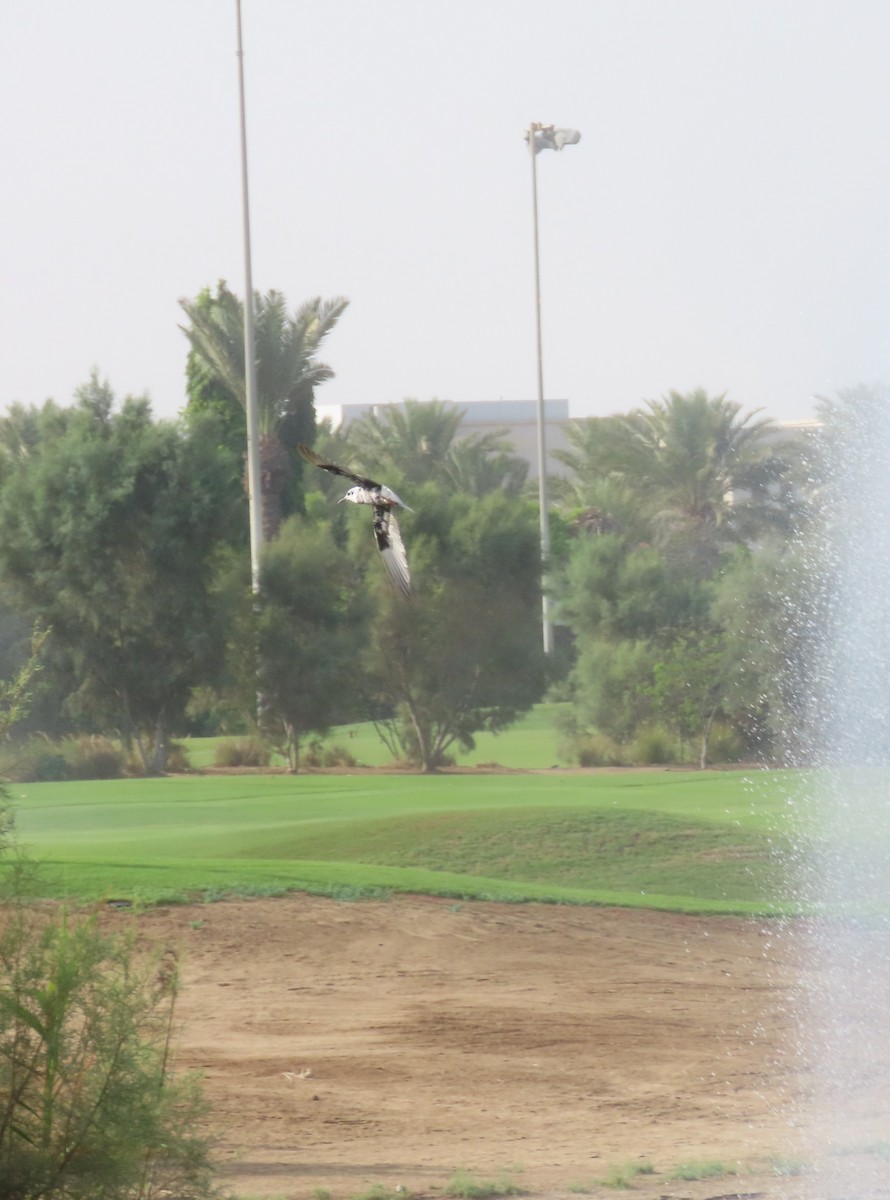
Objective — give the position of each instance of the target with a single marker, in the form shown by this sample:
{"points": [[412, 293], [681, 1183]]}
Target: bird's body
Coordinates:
{"points": [[384, 502], [380, 494]]}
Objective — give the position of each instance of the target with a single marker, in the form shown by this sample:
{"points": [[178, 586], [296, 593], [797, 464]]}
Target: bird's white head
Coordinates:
{"points": [[355, 495]]}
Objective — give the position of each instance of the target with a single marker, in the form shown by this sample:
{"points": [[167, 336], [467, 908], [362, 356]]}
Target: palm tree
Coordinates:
{"points": [[483, 463], [690, 453], [702, 470], [410, 440], [584, 457], [418, 442], [592, 495], [287, 375]]}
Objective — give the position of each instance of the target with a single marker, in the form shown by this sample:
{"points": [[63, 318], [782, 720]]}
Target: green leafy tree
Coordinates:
{"points": [[288, 372], [609, 687], [688, 504], [15, 692], [310, 632], [108, 531], [43, 711], [19, 434], [768, 605], [462, 656], [611, 591], [690, 683], [624, 604]]}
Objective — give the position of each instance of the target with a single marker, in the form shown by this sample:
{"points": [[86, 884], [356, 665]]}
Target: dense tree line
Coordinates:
{"points": [[125, 538], [675, 569], [682, 575]]}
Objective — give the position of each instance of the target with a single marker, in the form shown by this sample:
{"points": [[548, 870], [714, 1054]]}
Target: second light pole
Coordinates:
{"points": [[543, 137]]}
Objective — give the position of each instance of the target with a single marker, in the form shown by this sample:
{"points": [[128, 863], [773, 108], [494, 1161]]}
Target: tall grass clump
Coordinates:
{"points": [[94, 758], [596, 750], [653, 746], [46, 760], [318, 755], [242, 752]]}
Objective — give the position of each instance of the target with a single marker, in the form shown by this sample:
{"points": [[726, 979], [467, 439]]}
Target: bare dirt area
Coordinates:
{"points": [[391, 1043]]}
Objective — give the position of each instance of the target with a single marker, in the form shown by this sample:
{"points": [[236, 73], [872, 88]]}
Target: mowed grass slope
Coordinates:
{"points": [[692, 841], [533, 742]]}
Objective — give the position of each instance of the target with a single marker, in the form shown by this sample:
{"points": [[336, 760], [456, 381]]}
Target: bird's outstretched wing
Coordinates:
{"points": [[392, 548], [317, 461]]}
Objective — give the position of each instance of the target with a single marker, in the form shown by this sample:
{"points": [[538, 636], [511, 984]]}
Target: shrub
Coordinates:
{"points": [[653, 746], [89, 1105], [313, 753], [36, 760], [242, 752], [49, 767], [178, 757], [337, 756], [317, 754], [94, 758], [725, 745], [597, 750], [40, 760]]}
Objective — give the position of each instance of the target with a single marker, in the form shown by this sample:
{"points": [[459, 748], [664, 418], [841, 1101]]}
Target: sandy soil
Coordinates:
{"points": [[347, 1045]]}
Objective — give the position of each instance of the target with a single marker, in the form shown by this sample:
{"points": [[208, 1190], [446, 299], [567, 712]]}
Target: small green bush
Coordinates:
{"points": [[49, 767], [725, 745], [620, 1177], [89, 1105], [464, 1186], [701, 1170], [242, 752]]}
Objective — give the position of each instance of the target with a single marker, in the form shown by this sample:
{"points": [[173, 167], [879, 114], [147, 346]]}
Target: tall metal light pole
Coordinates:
{"points": [[543, 137], [255, 498]]}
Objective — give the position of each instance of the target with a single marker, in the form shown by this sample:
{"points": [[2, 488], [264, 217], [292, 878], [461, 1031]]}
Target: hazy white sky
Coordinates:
{"points": [[722, 223]]}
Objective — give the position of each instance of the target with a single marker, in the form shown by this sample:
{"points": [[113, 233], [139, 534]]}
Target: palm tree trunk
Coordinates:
{"points": [[274, 469]]}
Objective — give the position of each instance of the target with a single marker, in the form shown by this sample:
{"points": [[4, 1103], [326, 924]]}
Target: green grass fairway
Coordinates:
{"points": [[690, 841]]}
